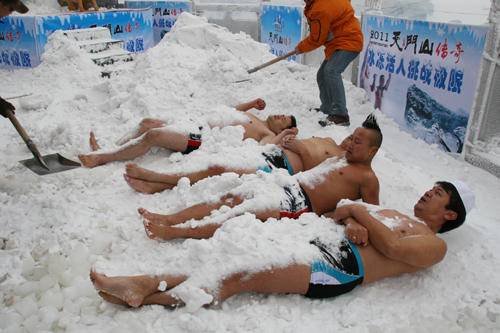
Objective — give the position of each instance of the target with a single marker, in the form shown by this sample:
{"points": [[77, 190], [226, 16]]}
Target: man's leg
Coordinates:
{"points": [[196, 212], [133, 290], [163, 227], [142, 290], [165, 233], [324, 97], [333, 84], [151, 180], [144, 126], [147, 187], [291, 279], [156, 137]]}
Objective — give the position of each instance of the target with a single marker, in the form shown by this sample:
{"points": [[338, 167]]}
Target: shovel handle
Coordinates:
{"points": [[18, 126], [26, 138], [264, 65]]}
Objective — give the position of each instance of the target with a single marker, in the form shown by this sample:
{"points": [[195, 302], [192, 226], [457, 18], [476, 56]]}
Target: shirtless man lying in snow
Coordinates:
{"points": [[409, 247], [151, 133], [350, 177], [295, 156]]}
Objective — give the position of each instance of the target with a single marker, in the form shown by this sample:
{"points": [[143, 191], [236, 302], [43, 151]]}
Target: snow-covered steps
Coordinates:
{"points": [[102, 49]]}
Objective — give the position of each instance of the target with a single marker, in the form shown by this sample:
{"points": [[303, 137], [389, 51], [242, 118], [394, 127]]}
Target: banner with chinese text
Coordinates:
{"points": [[165, 14], [423, 75], [18, 48], [133, 27], [23, 38], [281, 28]]}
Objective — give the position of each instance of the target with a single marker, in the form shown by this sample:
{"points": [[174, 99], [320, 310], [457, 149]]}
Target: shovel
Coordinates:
{"points": [[264, 65], [41, 165]]}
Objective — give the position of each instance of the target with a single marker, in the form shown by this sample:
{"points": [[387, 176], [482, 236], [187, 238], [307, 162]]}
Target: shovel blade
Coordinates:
{"points": [[55, 162]]}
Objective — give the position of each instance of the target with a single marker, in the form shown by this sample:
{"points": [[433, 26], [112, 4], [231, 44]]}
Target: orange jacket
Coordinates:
{"points": [[334, 18]]}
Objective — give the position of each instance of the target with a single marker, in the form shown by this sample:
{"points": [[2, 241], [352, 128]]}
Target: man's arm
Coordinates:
{"points": [[271, 138], [299, 148], [370, 189], [421, 251], [258, 103]]}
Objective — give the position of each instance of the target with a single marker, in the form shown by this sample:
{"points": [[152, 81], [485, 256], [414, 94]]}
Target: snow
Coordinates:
{"points": [[57, 227]]}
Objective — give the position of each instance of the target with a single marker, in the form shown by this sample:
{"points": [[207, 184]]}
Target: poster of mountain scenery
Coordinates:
{"points": [[423, 75]]}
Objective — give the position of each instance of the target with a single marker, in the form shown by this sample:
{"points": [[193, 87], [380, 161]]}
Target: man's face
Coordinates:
{"points": [[358, 148], [433, 202], [5, 10], [277, 123], [346, 142]]}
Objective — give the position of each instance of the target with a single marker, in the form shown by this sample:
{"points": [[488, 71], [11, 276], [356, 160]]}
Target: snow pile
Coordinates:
{"points": [[56, 227]]}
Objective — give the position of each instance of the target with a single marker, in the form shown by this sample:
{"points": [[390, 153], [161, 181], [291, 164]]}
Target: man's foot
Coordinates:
{"points": [[135, 171], [144, 186], [332, 119], [156, 218], [93, 142], [159, 232], [91, 160], [132, 290], [112, 299]]}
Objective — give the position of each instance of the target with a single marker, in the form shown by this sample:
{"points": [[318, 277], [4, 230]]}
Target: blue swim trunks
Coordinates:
{"points": [[194, 141], [276, 159], [332, 276], [296, 203]]}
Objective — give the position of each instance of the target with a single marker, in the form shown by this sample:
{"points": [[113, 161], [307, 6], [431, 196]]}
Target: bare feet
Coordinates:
{"points": [[156, 218], [93, 142], [91, 160], [132, 289], [146, 187], [112, 299], [159, 232], [137, 172]]}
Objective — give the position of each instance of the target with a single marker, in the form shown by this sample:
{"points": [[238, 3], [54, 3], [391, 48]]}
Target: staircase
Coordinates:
{"points": [[103, 50]]}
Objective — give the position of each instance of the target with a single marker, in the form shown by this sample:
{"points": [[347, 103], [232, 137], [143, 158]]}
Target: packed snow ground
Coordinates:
{"points": [[56, 227]]}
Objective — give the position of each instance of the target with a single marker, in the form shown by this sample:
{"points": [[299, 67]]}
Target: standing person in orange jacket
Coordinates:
{"points": [[334, 26]]}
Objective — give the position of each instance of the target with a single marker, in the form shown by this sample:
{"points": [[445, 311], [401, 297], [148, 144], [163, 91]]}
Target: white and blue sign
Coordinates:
{"points": [[133, 27], [18, 48], [165, 14], [423, 75], [281, 28], [23, 38]]}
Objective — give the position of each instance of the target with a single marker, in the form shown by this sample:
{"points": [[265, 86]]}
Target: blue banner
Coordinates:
{"points": [[134, 28], [281, 28], [23, 38], [18, 48], [165, 14], [423, 75]]}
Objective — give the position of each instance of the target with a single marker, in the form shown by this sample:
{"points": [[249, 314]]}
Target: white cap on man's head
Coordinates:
{"points": [[466, 194]]}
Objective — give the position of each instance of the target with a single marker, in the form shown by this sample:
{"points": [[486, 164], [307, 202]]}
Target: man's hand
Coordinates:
{"points": [[294, 144], [290, 131], [259, 104], [4, 106], [355, 232], [297, 51]]}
